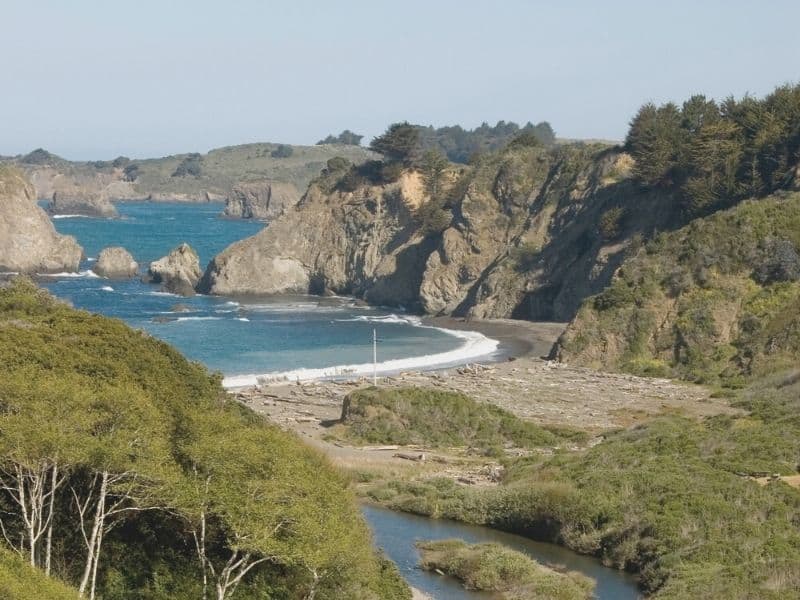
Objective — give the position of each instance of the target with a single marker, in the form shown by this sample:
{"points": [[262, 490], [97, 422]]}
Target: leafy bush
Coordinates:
{"points": [[190, 166], [610, 224], [282, 151], [347, 137]]}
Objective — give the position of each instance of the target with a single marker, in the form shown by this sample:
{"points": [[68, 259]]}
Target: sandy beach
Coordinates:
{"points": [[545, 392]]}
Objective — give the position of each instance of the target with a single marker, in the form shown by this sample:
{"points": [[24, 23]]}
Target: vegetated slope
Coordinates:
{"points": [[150, 482], [192, 177], [526, 232], [716, 301], [20, 581], [671, 499]]}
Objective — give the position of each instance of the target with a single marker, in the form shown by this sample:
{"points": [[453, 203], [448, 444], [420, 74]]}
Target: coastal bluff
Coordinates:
{"points": [[28, 241], [515, 235]]}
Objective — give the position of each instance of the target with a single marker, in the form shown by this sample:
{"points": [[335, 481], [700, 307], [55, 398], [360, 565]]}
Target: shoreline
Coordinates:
{"points": [[517, 338], [483, 340]]}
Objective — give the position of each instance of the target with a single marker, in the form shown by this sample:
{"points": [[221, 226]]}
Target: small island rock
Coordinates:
{"points": [[115, 263], [178, 272]]}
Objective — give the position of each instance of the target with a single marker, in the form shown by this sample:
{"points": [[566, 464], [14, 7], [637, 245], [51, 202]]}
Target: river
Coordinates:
{"points": [[396, 533]]}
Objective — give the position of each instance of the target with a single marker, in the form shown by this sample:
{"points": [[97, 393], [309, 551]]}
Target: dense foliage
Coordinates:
{"points": [[126, 471], [494, 568], [347, 138], [407, 143], [190, 166], [717, 154], [282, 151], [670, 498], [436, 418]]}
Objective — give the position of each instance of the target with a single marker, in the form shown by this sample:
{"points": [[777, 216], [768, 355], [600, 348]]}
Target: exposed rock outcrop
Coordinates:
{"points": [[115, 263], [72, 198], [364, 243], [178, 272], [517, 235], [28, 241], [266, 199]]}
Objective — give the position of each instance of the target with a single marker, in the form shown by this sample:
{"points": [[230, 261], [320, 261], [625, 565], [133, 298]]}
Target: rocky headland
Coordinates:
{"points": [[527, 233], [28, 241]]}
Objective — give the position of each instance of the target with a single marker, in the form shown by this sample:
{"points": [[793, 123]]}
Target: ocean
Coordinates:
{"points": [[292, 337]]}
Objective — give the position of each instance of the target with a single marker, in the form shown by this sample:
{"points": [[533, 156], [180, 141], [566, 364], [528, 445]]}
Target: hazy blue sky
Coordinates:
{"points": [[91, 79]]}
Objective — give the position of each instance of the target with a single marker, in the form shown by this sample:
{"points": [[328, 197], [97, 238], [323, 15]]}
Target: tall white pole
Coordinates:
{"points": [[374, 357]]}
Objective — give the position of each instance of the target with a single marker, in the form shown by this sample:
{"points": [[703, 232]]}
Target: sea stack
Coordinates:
{"points": [[71, 198], [115, 263], [178, 272]]}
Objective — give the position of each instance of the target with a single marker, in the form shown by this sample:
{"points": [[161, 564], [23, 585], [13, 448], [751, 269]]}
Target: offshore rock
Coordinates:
{"points": [[178, 272], [115, 263]]}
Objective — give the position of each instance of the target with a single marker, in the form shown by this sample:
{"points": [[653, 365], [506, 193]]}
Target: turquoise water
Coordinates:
{"points": [[240, 336]]}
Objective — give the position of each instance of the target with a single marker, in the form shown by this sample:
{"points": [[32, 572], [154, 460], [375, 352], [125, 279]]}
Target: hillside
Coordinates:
{"points": [[128, 473], [528, 231], [716, 301], [182, 177]]}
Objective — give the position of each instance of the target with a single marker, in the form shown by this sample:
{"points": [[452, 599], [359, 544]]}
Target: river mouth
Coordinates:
{"points": [[395, 533]]}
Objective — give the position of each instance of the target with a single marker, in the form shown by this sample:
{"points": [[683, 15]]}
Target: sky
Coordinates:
{"points": [[93, 80]]}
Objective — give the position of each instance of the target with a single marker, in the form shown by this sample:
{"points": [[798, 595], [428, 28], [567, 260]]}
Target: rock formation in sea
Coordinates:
{"points": [[115, 262], [178, 272], [515, 235], [28, 241], [72, 198], [266, 199]]}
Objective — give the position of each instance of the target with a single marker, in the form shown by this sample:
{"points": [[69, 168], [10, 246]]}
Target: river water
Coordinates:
{"points": [[396, 533]]}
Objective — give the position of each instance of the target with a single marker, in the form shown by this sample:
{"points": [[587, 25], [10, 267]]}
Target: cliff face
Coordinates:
{"points": [[264, 199], [520, 239], [28, 241], [363, 243]]}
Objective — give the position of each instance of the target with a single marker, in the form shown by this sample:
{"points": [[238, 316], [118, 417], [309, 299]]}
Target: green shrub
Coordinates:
{"points": [[436, 418], [495, 568]]}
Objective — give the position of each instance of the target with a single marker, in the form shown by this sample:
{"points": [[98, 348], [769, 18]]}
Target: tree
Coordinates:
{"points": [[715, 155], [189, 166], [433, 166], [282, 151], [347, 138], [400, 143], [656, 140]]}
